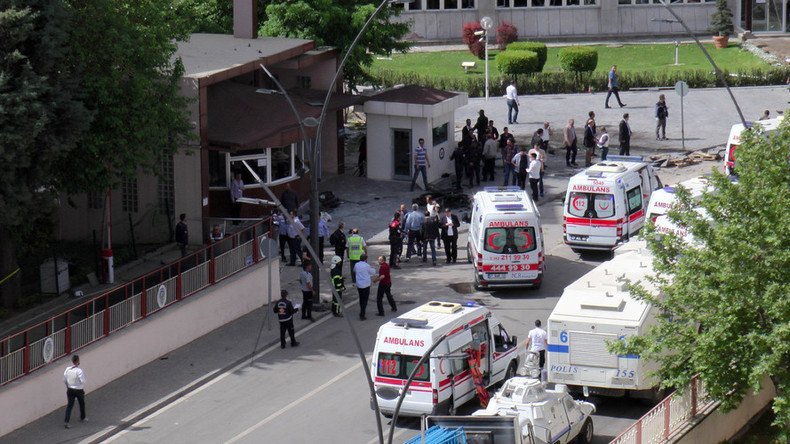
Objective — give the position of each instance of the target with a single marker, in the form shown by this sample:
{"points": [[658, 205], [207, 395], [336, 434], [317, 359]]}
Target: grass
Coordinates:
{"points": [[627, 58]]}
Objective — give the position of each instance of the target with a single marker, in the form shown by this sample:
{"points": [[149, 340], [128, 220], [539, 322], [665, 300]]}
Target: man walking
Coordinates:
{"points": [[512, 103], [306, 285], [625, 136], [662, 112], [535, 166], [338, 241], [569, 139], [489, 157], [285, 314], [385, 286], [364, 274], [356, 249], [421, 162], [536, 342], [336, 275], [430, 235], [473, 157], [414, 222], [74, 378], [450, 226], [612, 85], [282, 233], [182, 234]]}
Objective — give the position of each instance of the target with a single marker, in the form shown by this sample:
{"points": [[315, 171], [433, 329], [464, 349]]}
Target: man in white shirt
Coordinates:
{"points": [[536, 342], [542, 157], [533, 171], [74, 378], [364, 278], [512, 103]]}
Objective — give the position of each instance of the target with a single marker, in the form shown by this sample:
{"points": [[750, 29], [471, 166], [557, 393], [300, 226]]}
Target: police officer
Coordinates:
{"points": [[337, 281], [285, 314], [356, 248]]}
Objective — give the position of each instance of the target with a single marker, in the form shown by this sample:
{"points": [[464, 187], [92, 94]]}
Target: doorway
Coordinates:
{"points": [[401, 152], [768, 15]]}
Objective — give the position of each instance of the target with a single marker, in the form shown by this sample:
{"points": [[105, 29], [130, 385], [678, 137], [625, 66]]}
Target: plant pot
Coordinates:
{"points": [[721, 41]]}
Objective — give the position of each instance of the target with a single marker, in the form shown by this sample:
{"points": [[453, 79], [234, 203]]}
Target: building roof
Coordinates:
{"points": [[415, 101], [418, 95]]}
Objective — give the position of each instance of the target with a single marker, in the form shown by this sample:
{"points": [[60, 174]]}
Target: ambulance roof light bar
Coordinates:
{"points": [[616, 158], [500, 189], [410, 323]]}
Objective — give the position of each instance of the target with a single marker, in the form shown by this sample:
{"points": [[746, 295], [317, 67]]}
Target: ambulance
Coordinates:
{"points": [[505, 242], [474, 352], [662, 200], [768, 126], [594, 311], [605, 204]]}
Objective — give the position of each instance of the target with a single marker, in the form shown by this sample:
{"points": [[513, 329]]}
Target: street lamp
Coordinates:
{"points": [[486, 23]]}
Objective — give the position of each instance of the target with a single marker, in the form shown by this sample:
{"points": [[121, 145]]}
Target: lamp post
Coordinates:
{"points": [[486, 23]]}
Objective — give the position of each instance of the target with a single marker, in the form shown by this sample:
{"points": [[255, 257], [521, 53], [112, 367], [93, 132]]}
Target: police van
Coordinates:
{"points": [[605, 204], [505, 242], [662, 200], [598, 309], [768, 126], [446, 380]]}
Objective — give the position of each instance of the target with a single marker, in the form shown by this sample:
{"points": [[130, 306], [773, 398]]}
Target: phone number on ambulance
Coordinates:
{"points": [[507, 267], [508, 257]]}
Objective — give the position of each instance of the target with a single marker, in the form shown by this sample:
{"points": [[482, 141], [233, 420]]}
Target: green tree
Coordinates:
{"points": [[40, 121], [209, 16], [726, 294], [336, 23]]}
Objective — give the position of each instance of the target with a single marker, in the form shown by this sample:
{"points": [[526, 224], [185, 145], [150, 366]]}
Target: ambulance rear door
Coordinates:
{"points": [[510, 248], [591, 214]]}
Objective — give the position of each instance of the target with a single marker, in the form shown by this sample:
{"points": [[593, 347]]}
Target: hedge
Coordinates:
{"points": [[578, 59], [536, 47], [518, 62]]}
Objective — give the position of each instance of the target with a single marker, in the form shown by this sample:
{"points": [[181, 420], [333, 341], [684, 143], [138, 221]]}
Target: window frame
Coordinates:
{"points": [[638, 194], [266, 153], [590, 205]]}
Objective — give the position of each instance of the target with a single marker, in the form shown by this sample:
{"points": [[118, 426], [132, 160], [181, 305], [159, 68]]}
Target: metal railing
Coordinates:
{"points": [[102, 315], [668, 416]]}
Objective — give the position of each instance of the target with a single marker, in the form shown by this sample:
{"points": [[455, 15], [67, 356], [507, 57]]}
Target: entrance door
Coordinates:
{"points": [[401, 152], [768, 15]]}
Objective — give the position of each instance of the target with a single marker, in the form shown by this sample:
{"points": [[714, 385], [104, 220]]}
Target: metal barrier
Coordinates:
{"points": [[74, 328], [668, 416]]}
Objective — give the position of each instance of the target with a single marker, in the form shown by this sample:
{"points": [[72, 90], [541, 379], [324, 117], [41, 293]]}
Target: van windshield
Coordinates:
{"points": [[510, 240], [592, 205], [398, 366]]}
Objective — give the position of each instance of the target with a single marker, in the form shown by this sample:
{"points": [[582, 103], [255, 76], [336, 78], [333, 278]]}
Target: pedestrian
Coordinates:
{"points": [[285, 314], [520, 163], [385, 287], [504, 137], [294, 240], [546, 137], [336, 275], [395, 240], [492, 129], [589, 142], [536, 342], [421, 162], [625, 136], [450, 224], [507, 159], [459, 161], [431, 206], [282, 233], [356, 249], [182, 234], [236, 192], [216, 233], [481, 125], [306, 285], [569, 139], [323, 233], [511, 93], [338, 241], [603, 143], [289, 199], [490, 150], [613, 87], [766, 115], [533, 171], [363, 274], [74, 378], [430, 233], [537, 138], [414, 222], [542, 157], [662, 112], [473, 157], [467, 134]]}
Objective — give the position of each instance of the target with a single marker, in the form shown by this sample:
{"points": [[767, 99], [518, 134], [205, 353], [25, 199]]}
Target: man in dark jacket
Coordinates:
{"points": [[473, 157], [482, 125], [459, 158], [589, 142], [182, 234], [449, 223], [396, 240], [430, 234], [338, 241], [625, 136], [285, 314]]}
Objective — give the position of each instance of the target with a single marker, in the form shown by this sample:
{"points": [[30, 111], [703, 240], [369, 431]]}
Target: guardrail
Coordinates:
{"points": [[667, 417], [100, 316]]}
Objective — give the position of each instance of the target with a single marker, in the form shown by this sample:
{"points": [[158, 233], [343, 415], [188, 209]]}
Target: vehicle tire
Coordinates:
{"points": [[537, 286], [586, 434], [387, 415], [451, 409]]}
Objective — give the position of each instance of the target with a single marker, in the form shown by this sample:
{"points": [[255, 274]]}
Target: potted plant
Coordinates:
{"points": [[721, 24]]}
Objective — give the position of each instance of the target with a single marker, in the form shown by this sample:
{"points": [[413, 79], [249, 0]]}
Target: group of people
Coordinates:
{"points": [[421, 229]]}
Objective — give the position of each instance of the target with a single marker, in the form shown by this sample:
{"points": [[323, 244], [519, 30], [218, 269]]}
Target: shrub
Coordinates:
{"points": [[517, 62], [476, 47], [721, 20], [538, 48], [506, 33], [578, 59]]}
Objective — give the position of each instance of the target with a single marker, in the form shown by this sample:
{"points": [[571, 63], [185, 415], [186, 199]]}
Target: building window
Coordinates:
{"points": [[129, 199], [502, 3], [432, 4], [415, 5], [166, 187], [555, 3], [303, 81], [520, 3], [95, 200], [467, 4], [440, 134], [450, 4], [270, 164]]}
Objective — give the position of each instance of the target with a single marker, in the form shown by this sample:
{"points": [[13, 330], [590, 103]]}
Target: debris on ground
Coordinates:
{"points": [[683, 159]]}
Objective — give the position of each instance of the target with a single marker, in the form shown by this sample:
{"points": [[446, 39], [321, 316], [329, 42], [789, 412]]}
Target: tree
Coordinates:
{"points": [[726, 294], [476, 47], [209, 16], [40, 121], [336, 23]]}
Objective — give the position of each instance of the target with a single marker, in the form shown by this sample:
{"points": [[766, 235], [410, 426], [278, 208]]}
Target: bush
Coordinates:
{"points": [[536, 47], [476, 47], [721, 20], [506, 33], [578, 59], [517, 62]]}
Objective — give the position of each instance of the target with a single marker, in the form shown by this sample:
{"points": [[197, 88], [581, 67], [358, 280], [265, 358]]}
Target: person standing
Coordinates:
{"points": [[511, 93], [662, 112], [236, 192], [306, 285], [294, 240], [467, 134], [459, 161], [414, 222], [74, 378], [603, 143], [546, 137], [182, 234], [492, 129], [336, 275], [450, 226], [282, 233], [489, 157], [537, 138], [364, 274], [625, 136], [481, 125], [285, 315], [289, 199], [395, 239], [569, 139], [323, 233], [421, 162], [533, 171], [430, 235], [589, 142], [613, 87], [338, 241], [433, 211], [356, 249], [536, 342], [508, 152], [542, 157], [385, 287], [520, 163], [473, 157]]}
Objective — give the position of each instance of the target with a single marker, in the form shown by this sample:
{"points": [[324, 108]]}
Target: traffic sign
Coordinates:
{"points": [[681, 88]]}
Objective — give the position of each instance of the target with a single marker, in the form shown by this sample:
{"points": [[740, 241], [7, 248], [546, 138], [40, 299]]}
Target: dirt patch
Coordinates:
{"points": [[778, 46]]}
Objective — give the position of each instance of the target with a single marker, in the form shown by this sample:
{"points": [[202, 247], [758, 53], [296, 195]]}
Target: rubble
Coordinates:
{"points": [[683, 159]]}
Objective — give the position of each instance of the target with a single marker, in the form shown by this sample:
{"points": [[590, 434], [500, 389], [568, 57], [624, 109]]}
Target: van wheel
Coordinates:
{"points": [[477, 282], [586, 434], [451, 410]]}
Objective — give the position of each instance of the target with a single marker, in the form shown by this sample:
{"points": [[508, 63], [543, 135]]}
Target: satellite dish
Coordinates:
{"points": [[487, 23]]}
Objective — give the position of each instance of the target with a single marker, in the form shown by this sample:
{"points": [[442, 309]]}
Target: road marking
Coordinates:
{"points": [[398, 432], [293, 404]]}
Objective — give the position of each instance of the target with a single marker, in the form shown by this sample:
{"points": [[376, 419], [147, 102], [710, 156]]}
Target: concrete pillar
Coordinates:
{"points": [[609, 17], [245, 19]]}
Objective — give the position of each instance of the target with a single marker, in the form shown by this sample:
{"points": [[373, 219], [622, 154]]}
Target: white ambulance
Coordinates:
{"points": [[444, 381], [596, 310], [605, 204], [768, 126], [662, 200], [505, 242]]}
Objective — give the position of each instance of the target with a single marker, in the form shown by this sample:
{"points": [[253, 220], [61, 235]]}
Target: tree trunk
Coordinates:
{"points": [[11, 287]]}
